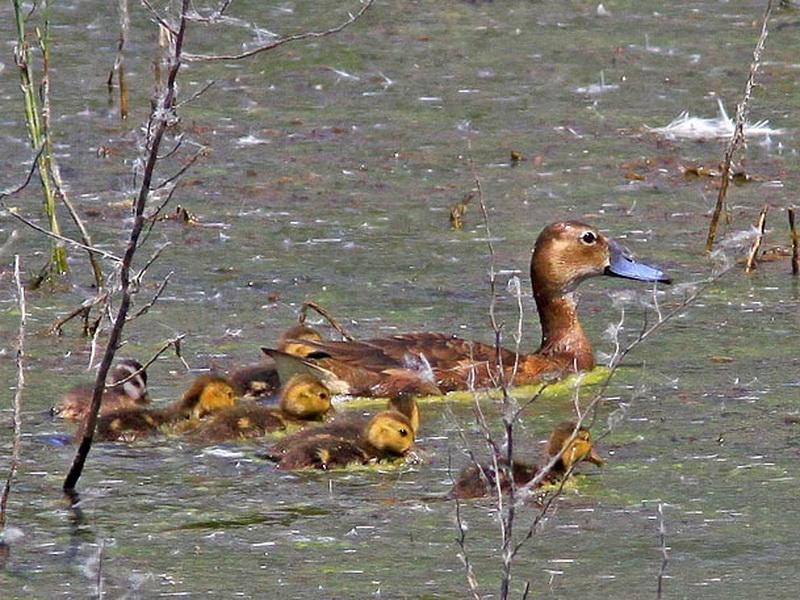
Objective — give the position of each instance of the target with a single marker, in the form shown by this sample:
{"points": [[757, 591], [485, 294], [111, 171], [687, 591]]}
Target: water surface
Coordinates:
{"points": [[331, 171]]}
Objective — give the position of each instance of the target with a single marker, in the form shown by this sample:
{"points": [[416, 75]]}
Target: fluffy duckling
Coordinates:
{"points": [[261, 380], [388, 435], [207, 394], [303, 398], [481, 480], [347, 426], [127, 389]]}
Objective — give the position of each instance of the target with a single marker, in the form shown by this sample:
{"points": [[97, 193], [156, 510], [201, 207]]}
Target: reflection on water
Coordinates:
{"points": [[333, 165]]}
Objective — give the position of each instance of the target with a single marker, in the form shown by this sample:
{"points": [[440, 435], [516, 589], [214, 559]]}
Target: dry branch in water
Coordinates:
{"points": [[737, 139], [160, 118], [351, 18], [760, 227], [794, 238], [17, 405]]}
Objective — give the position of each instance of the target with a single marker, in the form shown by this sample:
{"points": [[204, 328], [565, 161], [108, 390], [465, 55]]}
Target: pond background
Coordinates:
{"points": [[332, 167]]}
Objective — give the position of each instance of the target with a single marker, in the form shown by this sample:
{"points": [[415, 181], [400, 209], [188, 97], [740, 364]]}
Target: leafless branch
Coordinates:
{"points": [[352, 18], [146, 308], [737, 139], [327, 316], [159, 121], [14, 213], [17, 406]]}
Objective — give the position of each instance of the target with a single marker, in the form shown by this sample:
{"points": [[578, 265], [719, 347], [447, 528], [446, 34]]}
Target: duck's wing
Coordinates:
{"points": [[438, 351], [424, 363]]}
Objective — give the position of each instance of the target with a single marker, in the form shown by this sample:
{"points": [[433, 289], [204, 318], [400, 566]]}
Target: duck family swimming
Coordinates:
{"points": [[565, 254]]}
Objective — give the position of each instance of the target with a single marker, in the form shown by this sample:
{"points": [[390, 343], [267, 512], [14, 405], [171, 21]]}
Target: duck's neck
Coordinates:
{"points": [[563, 339]]}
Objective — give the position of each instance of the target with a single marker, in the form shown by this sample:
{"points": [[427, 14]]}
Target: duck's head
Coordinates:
{"points": [[305, 397], [391, 432], [130, 377], [568, 252], [574, 450], [291, 340], [208, 394]]}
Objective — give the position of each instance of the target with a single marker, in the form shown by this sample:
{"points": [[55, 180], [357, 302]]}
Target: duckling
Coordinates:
{"points": [[207, 394], [347, 426], [128, 389], [261, 380], [481, 480], [303, 398], [388, 435], [565, 254]]}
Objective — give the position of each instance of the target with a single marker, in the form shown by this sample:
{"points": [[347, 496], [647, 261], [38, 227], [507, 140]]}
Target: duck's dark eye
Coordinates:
{"points": [[403, 432], [588, 237]]}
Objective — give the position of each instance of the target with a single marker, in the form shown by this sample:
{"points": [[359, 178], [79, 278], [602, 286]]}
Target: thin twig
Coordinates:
{"points": [[13, 211], [662, 534], [737, 139], [17, 414], [327, 316], [794, 237], [82, 310], [352, 18], [760, 228], [144, 310]]}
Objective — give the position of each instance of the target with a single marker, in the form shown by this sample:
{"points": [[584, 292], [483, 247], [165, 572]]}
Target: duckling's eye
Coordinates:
{"points": [[588, 237], [403, 432]]}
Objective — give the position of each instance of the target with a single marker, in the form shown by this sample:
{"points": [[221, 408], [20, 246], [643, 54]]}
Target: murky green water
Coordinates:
{"points": [[332, 168]]}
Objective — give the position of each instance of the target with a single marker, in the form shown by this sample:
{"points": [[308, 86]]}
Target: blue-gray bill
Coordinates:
{"points": [[622, 265]]}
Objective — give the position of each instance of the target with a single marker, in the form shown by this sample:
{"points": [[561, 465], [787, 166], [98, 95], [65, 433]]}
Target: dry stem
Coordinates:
{"points": [[17, 406], [737, 139]]}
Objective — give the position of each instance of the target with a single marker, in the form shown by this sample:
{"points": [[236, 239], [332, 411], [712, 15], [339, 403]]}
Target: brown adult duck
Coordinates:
{"points": [[304, 398], [564, 254], [207, 394], [572, 446], [127, 389]]}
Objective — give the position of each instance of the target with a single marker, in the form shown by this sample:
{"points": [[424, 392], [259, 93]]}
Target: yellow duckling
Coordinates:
{"points": [[127, 389], [206, 395], [303, 398], [346, 426], [261, 380], [355, 439], [482, 480]]}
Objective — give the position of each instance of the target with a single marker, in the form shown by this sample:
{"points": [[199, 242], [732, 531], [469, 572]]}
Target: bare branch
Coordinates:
{"points": [[17, 415], [146, 308], [352, 18], [159, 121], [737, 139], [14, 213]]}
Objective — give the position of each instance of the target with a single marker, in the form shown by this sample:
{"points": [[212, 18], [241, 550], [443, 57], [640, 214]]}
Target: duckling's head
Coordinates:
{"points": [[568, 252], [208, 394], [291, 340], [391, 432], [130, 377], [575, 450], [305, 397]]}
